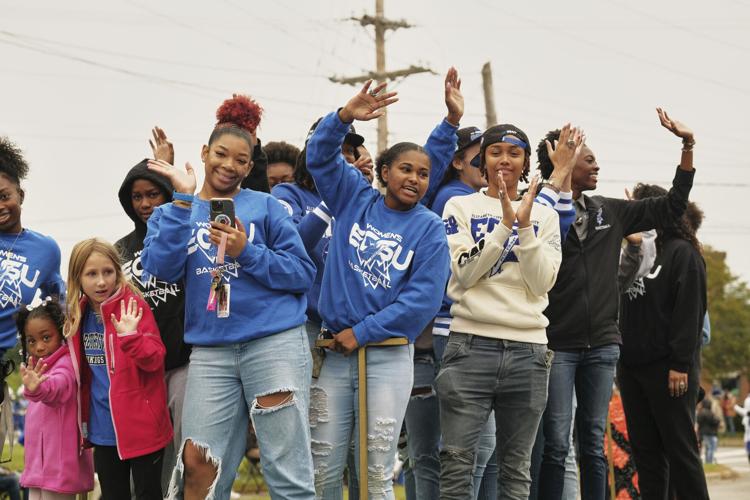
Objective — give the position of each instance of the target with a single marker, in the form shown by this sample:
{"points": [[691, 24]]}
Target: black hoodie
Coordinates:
{"points": [[167, 300]]}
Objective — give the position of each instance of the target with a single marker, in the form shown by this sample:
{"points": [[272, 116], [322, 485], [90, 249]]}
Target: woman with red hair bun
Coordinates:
{"points": [[245, 283]]}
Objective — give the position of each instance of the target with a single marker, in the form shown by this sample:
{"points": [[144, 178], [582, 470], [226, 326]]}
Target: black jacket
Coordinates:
{"points": [[167, 300], [583, 304], [662, 314]]}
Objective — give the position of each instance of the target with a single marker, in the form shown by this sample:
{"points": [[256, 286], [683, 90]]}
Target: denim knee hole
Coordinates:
{"points": [[382, 437], [176, 483], [318, 406]]}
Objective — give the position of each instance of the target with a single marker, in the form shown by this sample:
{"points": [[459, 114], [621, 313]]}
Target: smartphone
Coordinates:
{"points": [[222, 211]]}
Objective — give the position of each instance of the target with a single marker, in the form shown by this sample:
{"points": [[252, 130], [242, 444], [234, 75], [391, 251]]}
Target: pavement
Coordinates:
{"points": [[737, 488]]}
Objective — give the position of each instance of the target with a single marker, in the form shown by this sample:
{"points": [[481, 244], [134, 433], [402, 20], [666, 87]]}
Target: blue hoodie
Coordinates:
{"points": [[301, 202], [268, 279], [386, 269], [29, 261]]}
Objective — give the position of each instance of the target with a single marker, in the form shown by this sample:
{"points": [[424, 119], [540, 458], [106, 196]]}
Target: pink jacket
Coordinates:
{"points": [[137, 392], [54, 461]]}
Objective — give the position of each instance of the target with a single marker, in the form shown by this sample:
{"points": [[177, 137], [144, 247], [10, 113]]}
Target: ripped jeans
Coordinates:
{"points": [[334, 417], [478, 375], [223, 383]]}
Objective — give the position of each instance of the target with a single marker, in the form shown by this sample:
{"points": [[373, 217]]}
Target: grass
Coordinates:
{"points": [[731, 440], [719, 471]]}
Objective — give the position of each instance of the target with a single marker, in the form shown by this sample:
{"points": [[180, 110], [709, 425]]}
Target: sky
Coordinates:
{"points": [[83, 82]]}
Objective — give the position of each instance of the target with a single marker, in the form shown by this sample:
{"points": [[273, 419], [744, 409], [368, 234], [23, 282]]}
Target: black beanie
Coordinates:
{"points": [[497, 134]]}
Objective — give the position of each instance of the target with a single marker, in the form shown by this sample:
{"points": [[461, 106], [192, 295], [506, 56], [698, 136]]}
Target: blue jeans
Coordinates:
{"points": [[423, 429], [223, 383], [478, 375], [334, 417], [710, 443], [591, 373]]}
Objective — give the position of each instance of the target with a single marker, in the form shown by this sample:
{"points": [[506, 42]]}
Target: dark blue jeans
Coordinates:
{"points": [[591, 373], [480, 374]]}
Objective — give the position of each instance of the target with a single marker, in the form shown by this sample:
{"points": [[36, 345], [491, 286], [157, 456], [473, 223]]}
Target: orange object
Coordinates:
{"points": [[619, 452]]}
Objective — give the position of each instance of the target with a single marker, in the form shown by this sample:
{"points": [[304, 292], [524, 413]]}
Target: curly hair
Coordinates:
{"points": [[50, 309], [281, 152], [684, 228], [545, 166], [391, 155], [238, 116], [12, 163]]}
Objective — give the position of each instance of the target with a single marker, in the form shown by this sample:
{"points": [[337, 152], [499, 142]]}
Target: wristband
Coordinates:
{"points": [[187, 198]]}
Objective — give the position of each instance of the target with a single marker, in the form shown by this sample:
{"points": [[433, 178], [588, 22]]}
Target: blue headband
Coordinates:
{"points": [[513, 140]]}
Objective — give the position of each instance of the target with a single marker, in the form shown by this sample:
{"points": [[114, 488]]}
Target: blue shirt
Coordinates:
{"points": [[268, 280], [29, 262], [101, 428], [386, 269], [300, 202]]}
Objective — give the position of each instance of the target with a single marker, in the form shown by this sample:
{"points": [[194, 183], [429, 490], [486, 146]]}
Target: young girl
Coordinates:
{"points": [[55, 467], [118, 358], [244, 315], [389, 254]]}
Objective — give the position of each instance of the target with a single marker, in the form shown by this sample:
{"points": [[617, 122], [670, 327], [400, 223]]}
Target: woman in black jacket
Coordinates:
{"points": [[661, 321]]}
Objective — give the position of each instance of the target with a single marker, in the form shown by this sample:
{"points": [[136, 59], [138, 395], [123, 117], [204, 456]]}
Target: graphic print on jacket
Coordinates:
{"points": [[481, 225], [155, 291], [200, 239], [377, 252]]}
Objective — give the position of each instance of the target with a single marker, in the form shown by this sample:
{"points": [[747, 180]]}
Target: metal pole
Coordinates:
{"points": [[489, 95]]}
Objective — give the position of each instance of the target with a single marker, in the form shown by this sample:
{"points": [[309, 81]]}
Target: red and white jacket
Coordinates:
{"points": [[137, 392]]}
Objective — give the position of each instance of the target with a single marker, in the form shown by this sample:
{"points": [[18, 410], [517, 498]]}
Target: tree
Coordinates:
{"points": [[729, 310]]}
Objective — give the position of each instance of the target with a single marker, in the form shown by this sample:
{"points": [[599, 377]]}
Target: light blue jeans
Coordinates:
{"points": [[709, 444], [223, 385], [334, 417]]}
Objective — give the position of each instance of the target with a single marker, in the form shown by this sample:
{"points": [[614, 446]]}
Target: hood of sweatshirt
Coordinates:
{"points": [[141, 171]]}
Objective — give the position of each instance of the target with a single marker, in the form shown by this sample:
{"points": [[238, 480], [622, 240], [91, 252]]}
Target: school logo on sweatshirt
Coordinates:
{"points": [[377, 252], [14, 272], [484, 224], [200, 240], [154, 291]]}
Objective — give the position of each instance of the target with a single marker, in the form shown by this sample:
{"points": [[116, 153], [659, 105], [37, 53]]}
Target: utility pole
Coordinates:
{"points": [[489, 95], [380, 74]]}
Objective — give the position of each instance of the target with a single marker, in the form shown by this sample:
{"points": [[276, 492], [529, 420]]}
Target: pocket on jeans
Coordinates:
{"points": [[544, 356], [454, 350]]}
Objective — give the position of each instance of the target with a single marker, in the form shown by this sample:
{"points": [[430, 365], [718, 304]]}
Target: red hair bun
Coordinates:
{"points": [[240, 110]]}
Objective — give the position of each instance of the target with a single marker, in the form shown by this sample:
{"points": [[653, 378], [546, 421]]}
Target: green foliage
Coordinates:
{"points": [[729, 310]]}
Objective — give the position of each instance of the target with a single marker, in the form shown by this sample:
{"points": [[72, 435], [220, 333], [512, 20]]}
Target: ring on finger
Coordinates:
{"points": [[373, 93], [571, 143]]}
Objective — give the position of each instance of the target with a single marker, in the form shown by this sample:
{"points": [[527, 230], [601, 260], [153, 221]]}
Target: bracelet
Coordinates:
{"points": [[687, 146], [187, 198], [551, 186]]}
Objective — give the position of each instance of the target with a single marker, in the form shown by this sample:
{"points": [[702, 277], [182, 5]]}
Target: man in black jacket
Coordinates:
{"points": [[582, 312], [141, 192]]}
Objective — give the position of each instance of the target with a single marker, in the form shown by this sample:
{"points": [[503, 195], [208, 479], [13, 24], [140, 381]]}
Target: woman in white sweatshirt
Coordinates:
{"points": [[505, 254]]}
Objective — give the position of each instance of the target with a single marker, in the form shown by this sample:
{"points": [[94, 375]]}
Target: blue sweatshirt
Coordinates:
{"points": [[314, 230], [29, 261], [386, 269], [268, 279]]}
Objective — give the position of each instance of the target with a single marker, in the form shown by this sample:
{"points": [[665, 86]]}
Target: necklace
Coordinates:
{"points": [[10, 248]]}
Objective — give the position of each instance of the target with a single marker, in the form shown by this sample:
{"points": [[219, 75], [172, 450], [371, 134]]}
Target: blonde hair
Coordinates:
{"points": [[78, 258]]}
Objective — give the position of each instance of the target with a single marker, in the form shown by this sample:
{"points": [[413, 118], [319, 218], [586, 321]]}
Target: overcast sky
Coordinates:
{"points": [[83, 82]]}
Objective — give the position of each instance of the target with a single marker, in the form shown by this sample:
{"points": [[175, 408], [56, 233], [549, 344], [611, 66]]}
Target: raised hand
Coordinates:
{"points": [[161, 147], [365, 165], [523, 214], [183, 181], [367, 104], [509, 215], [677, 128], [564, 153], [454, 99], [130, 316], [32, 376], [236, 236]]}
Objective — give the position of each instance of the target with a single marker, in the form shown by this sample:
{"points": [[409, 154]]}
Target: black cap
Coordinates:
{"points": [[500, 133], [352, 137], [467, 136]]}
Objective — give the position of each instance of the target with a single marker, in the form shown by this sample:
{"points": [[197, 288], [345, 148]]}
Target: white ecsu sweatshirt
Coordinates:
{"points": [[500, 278]]}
